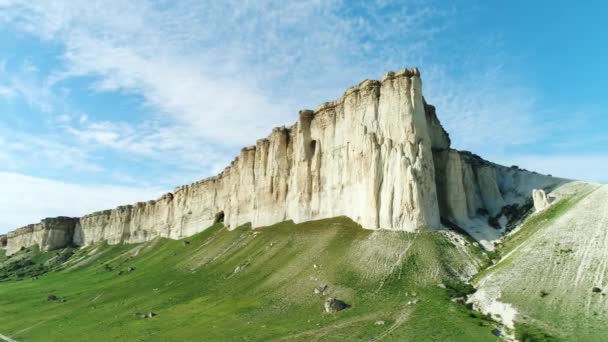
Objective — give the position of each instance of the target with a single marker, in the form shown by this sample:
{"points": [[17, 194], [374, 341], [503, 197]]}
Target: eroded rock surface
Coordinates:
{"points": [[50, 233], [378, 155], [541, 201]]}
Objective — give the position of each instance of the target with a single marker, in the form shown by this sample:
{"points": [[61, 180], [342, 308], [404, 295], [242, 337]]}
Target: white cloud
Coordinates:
{"points": [[220, 68], [6, 91], [21, 151], [28, 199]]}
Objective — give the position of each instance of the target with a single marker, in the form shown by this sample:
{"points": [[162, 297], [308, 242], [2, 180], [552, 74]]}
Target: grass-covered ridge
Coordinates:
{"points": [[554, 269], [254, 285]]}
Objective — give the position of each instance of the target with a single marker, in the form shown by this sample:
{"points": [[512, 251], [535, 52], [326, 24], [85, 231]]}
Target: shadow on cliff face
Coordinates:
{"points": [[219, 218]]}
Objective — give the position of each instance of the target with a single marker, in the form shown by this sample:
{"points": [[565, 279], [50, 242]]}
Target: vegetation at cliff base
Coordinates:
{"points": [[254, 285]]}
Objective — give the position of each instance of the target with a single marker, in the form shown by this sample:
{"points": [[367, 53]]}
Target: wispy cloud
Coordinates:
{"points": [[21, 151], [30, 198], [223, 67], [213, 76]]}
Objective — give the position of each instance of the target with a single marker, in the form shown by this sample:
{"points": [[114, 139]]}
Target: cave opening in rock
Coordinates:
{"points": [[219, 218], [313, 146]]}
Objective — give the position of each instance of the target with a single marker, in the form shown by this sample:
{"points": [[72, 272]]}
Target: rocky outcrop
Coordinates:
{"points": [[482, 197], [3, 241], [378, 155], [367, 155], [50, 233], [541, 201]]}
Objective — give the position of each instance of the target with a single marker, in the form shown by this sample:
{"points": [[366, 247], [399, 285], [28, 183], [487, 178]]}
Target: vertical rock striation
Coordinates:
{"points": [[378, 155], [50, 233], [367, 156]]}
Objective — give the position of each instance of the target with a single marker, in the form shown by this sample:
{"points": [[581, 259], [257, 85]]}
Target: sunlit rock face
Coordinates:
{"points": [[367, 155], [541, 201], [378, 155], [50, 233]]}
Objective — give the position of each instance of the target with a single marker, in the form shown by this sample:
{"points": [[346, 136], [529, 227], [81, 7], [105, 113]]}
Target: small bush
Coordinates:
{"points": [[459, 289], [494, 255], [529, 333], [493, 222]]}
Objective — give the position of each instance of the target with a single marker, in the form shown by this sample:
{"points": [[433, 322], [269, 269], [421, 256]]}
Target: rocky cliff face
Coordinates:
{"points": [[378, 155], [50, 233]]}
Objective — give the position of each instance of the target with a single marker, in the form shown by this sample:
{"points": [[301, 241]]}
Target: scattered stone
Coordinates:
{"points": [[441, 285], [333, 305], [130, 269], [321, 290], [51, 298], [150, 314], [63, 300], [315, 266], [379, 323]]}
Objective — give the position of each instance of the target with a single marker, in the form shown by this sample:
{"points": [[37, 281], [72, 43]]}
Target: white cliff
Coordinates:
{"points": [[541, 201], [378, 155], [50, 233]]}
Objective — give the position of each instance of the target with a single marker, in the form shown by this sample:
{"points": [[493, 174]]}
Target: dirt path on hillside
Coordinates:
{"points": [[6, 338]]}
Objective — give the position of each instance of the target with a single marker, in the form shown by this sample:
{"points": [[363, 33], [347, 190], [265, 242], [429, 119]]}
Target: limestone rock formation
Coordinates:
{"points": [[367, 155], [378, 155], [541, 201], [50, 233]]}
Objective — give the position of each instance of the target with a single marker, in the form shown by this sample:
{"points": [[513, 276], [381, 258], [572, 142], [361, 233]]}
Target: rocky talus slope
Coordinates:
{"points": [[378, 155]]}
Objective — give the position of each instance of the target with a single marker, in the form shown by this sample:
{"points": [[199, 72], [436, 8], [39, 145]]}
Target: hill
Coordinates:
{"points": [[554, 270], [252, 285]]}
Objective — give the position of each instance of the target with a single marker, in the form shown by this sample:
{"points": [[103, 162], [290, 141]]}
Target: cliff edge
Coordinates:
{"points": [[378, 155]]}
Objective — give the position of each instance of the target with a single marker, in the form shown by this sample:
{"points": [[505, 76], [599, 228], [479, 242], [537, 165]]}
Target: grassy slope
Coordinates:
{"points": [[550, 267], [194, 289]]}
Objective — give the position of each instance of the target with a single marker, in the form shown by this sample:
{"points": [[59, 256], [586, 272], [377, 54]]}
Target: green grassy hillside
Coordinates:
{"points": [[249, 285]]}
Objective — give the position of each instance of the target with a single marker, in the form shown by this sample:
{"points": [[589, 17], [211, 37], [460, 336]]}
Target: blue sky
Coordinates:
{"points": [[110, 102]]}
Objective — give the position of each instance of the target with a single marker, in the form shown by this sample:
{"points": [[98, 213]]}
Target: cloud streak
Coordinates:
{"points": [[32, 198]]}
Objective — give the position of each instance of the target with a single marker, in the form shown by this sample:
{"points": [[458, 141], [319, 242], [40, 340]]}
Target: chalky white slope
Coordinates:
{"points": [[557, 278]]}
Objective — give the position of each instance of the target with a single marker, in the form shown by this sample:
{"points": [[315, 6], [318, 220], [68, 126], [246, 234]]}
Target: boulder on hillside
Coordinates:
{"points": [[321, 290], [333, 305], [541, 201]]}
